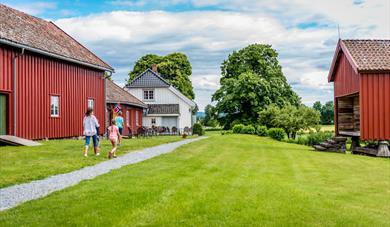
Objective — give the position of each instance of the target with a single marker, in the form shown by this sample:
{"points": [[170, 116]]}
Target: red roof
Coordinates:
{"points": [[365, 56], [44, 37], [116, 94]]}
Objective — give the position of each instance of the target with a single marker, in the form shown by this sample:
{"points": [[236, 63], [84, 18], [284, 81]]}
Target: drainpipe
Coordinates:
{"points": [[14, 72], [105, 77]]}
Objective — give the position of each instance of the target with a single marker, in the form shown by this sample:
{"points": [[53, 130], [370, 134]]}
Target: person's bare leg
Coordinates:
{"points": [[85, 151], [113, 143]]}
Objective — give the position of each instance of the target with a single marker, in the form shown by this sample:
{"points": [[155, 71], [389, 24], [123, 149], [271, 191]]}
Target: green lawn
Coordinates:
{"points": [[23, 164], [230, 180]]}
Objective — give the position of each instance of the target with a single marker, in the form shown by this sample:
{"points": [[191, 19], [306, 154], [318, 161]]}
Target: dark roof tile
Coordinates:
{"points": [[148, 79], [21, 28], [163, 109], [369, 55]]}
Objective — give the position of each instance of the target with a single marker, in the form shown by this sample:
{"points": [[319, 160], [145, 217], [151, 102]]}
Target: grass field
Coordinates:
{"points": [[230, 180], [23, 164]]}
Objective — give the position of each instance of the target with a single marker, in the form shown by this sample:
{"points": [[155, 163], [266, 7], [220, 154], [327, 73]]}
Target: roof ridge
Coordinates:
{"points": [[143, 73], [79, 43], [26, 14]]}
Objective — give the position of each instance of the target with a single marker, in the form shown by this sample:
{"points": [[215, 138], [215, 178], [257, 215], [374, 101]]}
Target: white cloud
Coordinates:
{"points": [[207, 37]]}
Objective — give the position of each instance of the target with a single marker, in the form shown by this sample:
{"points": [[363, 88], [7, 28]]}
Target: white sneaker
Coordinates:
{"points": [[97, 154]]}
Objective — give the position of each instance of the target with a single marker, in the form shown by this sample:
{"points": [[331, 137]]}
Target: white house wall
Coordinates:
{"points": [[166, 96]]}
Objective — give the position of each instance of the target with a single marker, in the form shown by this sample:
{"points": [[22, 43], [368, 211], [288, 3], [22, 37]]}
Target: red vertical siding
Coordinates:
{"points": [[346, 80], [375, 106], [6, 84], [132, 112], [39, 77]]}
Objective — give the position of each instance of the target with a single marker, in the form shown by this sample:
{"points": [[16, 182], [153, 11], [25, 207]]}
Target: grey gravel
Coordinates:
{"points": [[14, 195]]}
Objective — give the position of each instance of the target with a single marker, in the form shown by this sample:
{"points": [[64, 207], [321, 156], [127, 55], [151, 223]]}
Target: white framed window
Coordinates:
{"points": [[54, 106], [127, 118], [148, 94], [91, 103], [136, 118], [153, 121]]}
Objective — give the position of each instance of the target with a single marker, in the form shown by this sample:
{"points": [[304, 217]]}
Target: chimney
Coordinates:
{"points": [[154, 68]]}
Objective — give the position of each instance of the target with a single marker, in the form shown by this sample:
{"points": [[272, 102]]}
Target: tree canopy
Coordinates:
{"points": [[210, 118], [326, 110], [175, 68], [290, 118], [251, 79]]}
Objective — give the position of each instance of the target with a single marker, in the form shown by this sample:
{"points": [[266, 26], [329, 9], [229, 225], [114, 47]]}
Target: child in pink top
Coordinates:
{"points": [[114, 136]]}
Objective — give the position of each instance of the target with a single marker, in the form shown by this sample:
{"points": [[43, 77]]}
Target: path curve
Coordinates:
{"points": [[14, 195]]}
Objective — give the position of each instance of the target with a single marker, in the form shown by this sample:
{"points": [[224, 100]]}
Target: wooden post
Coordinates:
{"points": [[355, 143], [383, 149]]}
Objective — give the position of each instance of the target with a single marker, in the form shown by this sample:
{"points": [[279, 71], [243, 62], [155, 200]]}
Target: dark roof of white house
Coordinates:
{"points": [[163, 109], [44, 37], [148, 79]]}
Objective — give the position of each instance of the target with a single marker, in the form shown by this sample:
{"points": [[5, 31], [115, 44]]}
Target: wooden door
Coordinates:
{"points": [[3, 114]]}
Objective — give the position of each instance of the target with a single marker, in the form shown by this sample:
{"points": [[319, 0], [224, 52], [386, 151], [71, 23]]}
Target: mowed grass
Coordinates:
{"points": [[230, 180], [23, 164]]}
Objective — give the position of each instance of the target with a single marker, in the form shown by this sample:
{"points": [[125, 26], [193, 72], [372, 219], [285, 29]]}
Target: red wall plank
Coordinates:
{"points": [[375, 106], [38, 78], [346, 80]]}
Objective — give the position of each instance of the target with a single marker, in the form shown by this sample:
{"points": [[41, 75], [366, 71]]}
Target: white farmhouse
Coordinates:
{"points": [[167, 106]]}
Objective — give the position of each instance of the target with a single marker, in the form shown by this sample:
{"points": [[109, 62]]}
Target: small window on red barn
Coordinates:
{"points": [[54, 106], [127, 118], [91, 103]]}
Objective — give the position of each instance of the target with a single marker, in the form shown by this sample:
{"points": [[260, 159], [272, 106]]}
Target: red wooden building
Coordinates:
{"points": [[131, 107], [360, 71], [47, 79]]}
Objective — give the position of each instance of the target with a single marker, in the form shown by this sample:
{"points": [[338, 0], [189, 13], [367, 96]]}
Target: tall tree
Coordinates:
{"points": [[251, 79], [175, 68]]}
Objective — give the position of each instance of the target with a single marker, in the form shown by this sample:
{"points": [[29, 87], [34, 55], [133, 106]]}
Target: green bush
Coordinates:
{"points": [[277, 133], [248, 129], [238, 128], [261, 130], [318, 137], [197, 129], [213, 129], [226, 132]]}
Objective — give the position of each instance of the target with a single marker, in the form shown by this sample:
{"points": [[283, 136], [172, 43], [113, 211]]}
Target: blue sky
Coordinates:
{"points": [[303, 32]]}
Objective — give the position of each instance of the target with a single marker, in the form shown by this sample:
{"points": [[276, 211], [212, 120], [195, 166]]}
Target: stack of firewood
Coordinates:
{"points": [[336, 144]]}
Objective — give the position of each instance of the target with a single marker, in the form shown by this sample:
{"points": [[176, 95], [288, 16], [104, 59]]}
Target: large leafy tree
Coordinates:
{"points": [[175, 68], [251, 79]]}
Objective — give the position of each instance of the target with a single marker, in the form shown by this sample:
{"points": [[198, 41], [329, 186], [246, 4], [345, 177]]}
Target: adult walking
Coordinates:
{"points": [[90, 124], [119, 122]]}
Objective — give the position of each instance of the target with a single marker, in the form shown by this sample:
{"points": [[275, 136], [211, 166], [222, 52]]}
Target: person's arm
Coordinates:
{"points": [[96, 121]]}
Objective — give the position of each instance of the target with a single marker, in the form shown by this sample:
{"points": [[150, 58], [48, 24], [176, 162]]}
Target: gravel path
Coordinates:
{"points": [[17, 194]]}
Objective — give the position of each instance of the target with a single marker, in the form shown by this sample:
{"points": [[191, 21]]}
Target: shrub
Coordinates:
{"points": [[276, 133], [226, 132], [318, 137], [197, 129], [238, 128], [248, 129], [261, 130], [213, 129]]}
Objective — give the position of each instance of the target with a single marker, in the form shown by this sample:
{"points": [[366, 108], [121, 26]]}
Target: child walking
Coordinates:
{"points": [[114, 137]]}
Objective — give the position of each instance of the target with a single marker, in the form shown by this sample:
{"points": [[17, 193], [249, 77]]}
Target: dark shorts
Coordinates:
{"points": [[94, 139], [120, 130]]}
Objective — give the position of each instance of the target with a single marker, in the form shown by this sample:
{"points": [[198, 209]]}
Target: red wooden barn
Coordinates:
{"points": [[47, 79], [361, 74], [131, 107]]}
